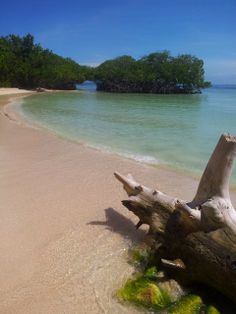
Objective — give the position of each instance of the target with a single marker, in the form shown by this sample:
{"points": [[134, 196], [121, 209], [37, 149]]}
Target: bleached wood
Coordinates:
{"points": [[215, 179], [201, 233]]}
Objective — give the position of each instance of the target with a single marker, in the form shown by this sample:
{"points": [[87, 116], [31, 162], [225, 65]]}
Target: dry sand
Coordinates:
{"points": [[12, 91], [64, 234]]}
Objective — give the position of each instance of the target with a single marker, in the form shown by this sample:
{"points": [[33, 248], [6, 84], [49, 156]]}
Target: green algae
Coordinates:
{"points": [[151, 273], [212, 310], [146, 290], [141, 256], [189, 304], [143, 291]]}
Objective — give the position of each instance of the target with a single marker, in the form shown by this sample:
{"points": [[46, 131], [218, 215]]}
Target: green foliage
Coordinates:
{"points": [[27, 65], [157, 73], [122, 68], [87, 72]]}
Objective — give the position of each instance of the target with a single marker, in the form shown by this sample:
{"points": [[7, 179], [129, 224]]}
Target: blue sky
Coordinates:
{"points": [[93, 31]]}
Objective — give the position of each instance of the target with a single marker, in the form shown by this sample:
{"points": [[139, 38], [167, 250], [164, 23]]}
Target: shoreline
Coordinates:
{"points": [[63, 230], [13, 111], [19, 115], [13, 108]]}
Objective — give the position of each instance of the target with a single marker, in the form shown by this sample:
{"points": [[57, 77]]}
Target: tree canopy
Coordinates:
{"points": [[25, 64], [155, 73]]}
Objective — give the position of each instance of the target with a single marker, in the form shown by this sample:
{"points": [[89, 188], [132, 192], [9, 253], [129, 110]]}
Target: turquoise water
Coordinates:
{"points": [[178, 131]]}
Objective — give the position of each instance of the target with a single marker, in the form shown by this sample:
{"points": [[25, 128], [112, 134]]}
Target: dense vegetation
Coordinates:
{"points": [[25, 64], [155, 73]]}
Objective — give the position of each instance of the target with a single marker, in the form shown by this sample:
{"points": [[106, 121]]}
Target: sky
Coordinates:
{"points": [[91, 32]]}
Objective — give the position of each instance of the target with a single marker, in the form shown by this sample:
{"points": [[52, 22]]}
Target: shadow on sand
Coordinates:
{"points": [[118, 223]]}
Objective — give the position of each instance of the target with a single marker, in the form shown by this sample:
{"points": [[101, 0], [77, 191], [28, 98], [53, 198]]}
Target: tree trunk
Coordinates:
{"points": [[196, 240]]}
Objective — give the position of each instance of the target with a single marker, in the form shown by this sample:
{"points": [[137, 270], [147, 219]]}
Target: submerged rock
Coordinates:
{"points": [[172, 288]]}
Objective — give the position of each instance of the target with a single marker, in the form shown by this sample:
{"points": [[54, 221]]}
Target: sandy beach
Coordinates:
{"points": [[64, 234]]}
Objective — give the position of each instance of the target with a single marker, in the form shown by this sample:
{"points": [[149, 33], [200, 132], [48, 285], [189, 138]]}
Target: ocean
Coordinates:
{"points": [[174, 131]]}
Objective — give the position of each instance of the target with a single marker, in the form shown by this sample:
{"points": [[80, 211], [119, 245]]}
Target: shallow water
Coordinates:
{"points": [[178, 131]]}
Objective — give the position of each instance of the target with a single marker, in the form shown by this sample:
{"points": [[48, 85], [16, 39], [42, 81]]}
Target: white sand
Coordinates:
{"points": [[12, 91]]}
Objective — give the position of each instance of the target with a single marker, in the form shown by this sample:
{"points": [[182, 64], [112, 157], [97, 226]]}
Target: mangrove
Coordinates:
{"points": [[158, 73]]}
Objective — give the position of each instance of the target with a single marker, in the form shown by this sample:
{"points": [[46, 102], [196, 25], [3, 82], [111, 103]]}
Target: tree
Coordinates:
{"points": [[27, 65], [188, 70], [157, 72]]}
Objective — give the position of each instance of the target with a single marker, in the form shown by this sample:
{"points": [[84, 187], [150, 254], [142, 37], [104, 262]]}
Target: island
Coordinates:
{"points": [[158, 73]]}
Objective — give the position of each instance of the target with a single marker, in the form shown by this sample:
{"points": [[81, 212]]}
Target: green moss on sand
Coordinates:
{"points": [[143, 291], [138, 255], [141, 256], [212, 310], [189, 304]]}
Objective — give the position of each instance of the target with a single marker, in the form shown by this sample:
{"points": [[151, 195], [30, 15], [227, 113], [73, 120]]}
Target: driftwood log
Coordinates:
{"points": [[197, 239]]}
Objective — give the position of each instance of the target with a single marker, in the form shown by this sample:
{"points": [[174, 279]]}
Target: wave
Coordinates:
{"points": [[147, 159]]}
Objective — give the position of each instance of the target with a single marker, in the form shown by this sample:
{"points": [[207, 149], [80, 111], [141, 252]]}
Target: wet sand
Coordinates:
{"points": [[64, 234]]}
